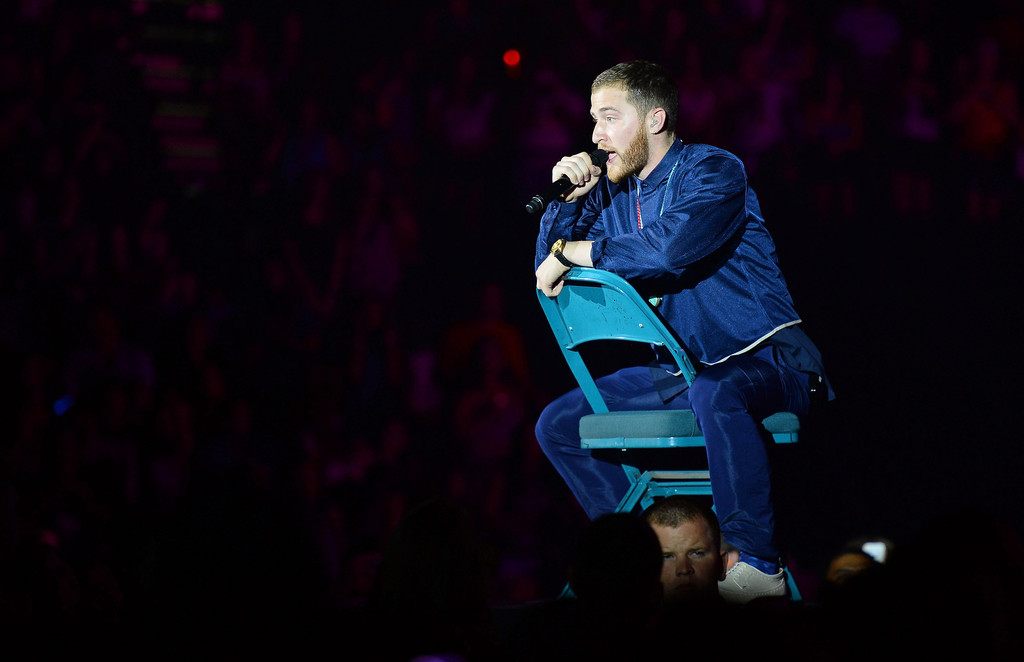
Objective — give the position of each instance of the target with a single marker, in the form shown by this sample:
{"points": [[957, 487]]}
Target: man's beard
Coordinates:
{"points": [[633, 159]]}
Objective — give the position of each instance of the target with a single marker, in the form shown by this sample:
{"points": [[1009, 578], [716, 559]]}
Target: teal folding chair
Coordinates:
{"points": [[596, 305]]}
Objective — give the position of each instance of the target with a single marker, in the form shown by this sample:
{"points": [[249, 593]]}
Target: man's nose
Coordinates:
{"points": [[684, 567]]}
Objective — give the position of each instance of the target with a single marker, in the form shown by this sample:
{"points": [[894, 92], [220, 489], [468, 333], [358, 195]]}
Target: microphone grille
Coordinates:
{"points": [[599, 157]]}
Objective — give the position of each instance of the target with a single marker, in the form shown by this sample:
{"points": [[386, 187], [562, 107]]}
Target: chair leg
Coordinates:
{"points": [[794, 591], [637, 487]]}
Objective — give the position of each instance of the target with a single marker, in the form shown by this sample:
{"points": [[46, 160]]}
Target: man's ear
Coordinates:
{"points": [[729, 559], [656, 120]]}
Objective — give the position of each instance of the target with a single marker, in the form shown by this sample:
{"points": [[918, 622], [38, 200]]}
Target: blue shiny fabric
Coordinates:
{"points": [[728, 399], [703, 247]]}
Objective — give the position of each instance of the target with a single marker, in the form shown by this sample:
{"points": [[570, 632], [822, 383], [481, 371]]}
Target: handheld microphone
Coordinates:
{"points": [[562, 185]]}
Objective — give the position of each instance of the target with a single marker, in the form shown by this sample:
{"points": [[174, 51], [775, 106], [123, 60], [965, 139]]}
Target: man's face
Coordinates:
{"points": [[619, 130], [693, 563]]}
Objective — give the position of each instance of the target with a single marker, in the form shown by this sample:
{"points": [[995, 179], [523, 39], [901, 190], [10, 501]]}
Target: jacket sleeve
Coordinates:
{"points": [[703, 209], [573, 221]]}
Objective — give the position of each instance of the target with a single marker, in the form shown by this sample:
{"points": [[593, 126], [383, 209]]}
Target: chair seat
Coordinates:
{"points": [[665, 429]]}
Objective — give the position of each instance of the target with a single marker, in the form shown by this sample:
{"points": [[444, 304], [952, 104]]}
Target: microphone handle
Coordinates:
{"points": [[562, 185], [555, 189]]}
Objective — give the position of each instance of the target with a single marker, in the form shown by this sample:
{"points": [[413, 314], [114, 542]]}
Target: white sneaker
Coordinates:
{"points": [[743, 583]]}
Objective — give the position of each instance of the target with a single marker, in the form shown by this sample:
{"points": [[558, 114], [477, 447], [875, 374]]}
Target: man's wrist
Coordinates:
{"points": [[565, 261], [557, 251]]}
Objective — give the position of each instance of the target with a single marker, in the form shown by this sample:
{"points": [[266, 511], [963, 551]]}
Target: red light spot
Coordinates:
{"points": [[511, 57]]}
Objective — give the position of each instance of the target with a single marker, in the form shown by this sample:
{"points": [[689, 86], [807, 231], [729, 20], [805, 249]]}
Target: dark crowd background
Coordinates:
{"points": [[267, 278]]}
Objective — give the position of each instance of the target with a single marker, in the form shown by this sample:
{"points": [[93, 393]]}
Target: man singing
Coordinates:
{"points": [[679, 221]]}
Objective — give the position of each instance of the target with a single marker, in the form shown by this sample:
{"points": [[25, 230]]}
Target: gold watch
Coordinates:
{"points": [[556, 250]]}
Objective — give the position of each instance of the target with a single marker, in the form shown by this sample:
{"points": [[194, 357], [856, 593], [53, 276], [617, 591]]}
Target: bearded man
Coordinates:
{"points": [[680, 222]]}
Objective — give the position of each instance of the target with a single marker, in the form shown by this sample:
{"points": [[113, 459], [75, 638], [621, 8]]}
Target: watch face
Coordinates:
{"points": [[558, 246]]}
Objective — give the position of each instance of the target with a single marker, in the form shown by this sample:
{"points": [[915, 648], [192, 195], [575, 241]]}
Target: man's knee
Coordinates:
{"points": [[542, 430], [709, 392], [558, 423]]}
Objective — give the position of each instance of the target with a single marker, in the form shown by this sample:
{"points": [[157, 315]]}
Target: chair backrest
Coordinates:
{"points": [[598, 305]]}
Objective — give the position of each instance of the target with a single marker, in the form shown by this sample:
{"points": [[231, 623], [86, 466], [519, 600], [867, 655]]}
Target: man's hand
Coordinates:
{"points": [[581, 171], [549, 276], [551, 270]]}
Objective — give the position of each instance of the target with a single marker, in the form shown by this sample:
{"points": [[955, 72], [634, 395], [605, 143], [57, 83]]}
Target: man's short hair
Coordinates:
{"points": [[677, 509], [647, 85]]}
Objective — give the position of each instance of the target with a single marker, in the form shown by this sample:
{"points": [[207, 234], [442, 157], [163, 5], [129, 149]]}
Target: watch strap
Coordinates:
{"points": [[556, 250], [564, 260]]}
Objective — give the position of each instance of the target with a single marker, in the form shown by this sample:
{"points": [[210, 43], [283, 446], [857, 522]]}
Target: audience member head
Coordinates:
{"points": [[967, 604], [616, 566], [855, 557], [852, 577], [846, 564], [430, 592], [693, 560]]}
